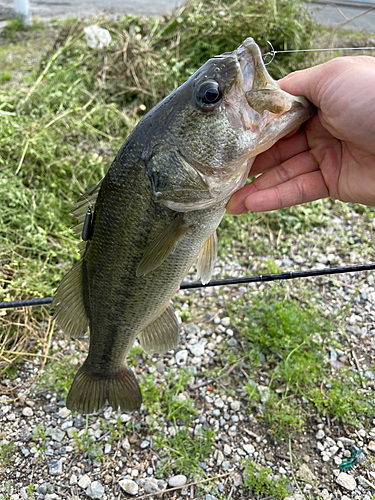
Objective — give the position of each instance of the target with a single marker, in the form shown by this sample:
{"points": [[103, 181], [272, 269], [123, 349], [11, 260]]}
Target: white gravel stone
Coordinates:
{"points": [[73, 480], [346, 481], [149, 485], [219, 403], [95, 490], [126, 445], [176, 481], [235, 406], [227, 450], [320, 434], [371, 446], [249, 448], [219, 457], [145, 444], [198, 348], [181, 357], [27, 412], [225, 321], [64, 412], [130, 487], [84, 482]]}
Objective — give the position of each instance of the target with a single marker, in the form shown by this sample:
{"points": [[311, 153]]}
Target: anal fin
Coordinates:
{"points": [[162, 246], [70, 312], [207, 258], [89, 392], [163, 334]]}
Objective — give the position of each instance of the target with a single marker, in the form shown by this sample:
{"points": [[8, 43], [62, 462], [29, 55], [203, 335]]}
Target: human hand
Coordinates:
{"points": [[333, 155]]}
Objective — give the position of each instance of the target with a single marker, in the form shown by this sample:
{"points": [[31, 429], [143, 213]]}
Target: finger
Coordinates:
{"points": [[301, 189], [279, 152], [300, 164]]}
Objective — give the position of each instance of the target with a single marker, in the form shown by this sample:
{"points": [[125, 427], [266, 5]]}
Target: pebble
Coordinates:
{"points": [[149, 485], [145, 444], [198, 348], [249, 448], [225, 321], [225, 466], [84, 481], [191, 328], [27, 412], [55, 434], [130, 487], [371, 446], [320, 434], [176, 481], [55, 467], [95, 490], [227, 450], [181, 357], [235, 405], [346, 481]]}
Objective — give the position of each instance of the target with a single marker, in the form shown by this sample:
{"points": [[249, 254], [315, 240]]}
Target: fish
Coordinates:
{"points": [[156, 212]]}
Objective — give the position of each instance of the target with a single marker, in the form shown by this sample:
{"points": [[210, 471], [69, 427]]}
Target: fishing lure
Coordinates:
{"points": [[349, 462]]}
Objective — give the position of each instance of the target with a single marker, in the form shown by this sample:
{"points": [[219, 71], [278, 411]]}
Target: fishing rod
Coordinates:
{"points": [[223, 282]]}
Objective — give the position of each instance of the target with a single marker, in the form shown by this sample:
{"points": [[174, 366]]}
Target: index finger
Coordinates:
{"points": [[281, 151]]}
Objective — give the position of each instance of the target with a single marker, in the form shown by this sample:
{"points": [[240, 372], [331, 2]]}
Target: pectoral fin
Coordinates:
{"points": [[162, 246], [207, 258], [162, 334]]}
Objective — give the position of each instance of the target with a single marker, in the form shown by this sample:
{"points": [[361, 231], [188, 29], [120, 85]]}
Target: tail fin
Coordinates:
{"points": [[89, 392]]}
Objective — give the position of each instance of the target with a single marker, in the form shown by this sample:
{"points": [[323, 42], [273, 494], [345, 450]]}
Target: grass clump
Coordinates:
{"points": [[184, 453], [287, 341], [262, 483]]}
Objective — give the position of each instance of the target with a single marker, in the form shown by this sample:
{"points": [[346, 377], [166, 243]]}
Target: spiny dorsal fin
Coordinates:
{"points": [[162, 246], [207, 258], [162, 334], [89, 391], [81, 205], [70, 312]]}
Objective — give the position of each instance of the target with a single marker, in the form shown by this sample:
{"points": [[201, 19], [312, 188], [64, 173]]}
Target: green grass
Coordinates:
{"points": [[183, 453], [288, 340], [261, 482]]}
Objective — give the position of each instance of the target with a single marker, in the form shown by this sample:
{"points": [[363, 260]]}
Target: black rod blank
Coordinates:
{"points": [[227, 281]]}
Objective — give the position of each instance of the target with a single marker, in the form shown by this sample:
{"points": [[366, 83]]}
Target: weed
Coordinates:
{"points": [[183, 453], [6, 453], [286, 339], [58, 375], [86, 443], [262, 483]]}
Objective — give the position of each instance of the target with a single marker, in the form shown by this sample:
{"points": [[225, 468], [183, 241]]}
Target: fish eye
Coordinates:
{"points": [[208, 94]]}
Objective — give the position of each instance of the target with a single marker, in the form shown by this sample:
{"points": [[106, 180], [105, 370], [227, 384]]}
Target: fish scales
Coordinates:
{"points": [[157, 210]]}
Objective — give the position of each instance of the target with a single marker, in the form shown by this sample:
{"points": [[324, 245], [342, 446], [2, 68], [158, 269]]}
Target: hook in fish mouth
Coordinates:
{"points": [[261, 90]]}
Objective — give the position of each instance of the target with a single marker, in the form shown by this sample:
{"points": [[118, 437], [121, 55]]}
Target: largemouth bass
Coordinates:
{"points": [[157, 210]]}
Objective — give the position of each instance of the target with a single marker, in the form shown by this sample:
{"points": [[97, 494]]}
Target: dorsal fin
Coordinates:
{"points": [[207, 258], [70, 312], [85, 201]]}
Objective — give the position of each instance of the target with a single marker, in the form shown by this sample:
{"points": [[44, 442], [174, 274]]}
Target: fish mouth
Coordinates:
{"points": [[265, 109]]}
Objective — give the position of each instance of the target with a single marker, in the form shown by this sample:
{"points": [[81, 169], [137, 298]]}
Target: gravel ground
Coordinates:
{"points": [[46, 459]]}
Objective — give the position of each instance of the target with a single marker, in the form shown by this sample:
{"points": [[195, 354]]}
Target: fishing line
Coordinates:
{"points": [[222, 282], [272, 53]]}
